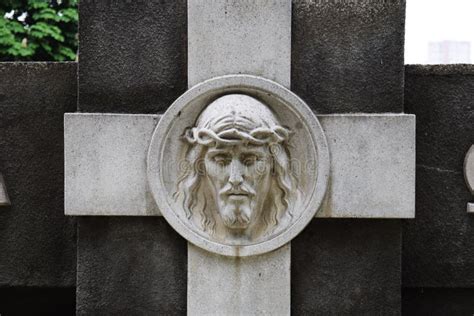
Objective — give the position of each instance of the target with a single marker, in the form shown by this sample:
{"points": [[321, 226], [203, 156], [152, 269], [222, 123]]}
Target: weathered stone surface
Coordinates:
{"points": [[347, 267], [134, 266], [105, 164], [132, 55], [347, 56], [37, 242], [256, 285], [438, 243], [372, 165], [239, 37]]}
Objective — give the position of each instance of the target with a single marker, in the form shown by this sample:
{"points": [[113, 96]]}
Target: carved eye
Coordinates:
{"points": [[221, 159], [249, 159]]}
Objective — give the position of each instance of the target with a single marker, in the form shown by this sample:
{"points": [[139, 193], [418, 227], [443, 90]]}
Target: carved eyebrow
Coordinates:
{"points": [[218, 152], [252, 152]]}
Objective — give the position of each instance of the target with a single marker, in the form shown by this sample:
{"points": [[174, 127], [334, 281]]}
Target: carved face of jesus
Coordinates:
{"points": [[240, 179]]}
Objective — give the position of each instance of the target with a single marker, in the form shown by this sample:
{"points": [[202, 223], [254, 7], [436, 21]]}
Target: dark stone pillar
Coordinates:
{"points": [[130, 265], [132, 55], [37, 242], [347, 267], [132, 59], [347, 56]]}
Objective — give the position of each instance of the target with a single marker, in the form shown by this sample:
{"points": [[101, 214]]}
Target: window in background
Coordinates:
{"points": [[439, 32]]}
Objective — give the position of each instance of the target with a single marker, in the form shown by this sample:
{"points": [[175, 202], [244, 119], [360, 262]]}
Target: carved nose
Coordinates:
{"points": [[236, 170]]}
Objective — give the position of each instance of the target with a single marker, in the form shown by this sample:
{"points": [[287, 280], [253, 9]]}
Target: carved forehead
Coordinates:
{"points": [[242, 148], [239, 109]]}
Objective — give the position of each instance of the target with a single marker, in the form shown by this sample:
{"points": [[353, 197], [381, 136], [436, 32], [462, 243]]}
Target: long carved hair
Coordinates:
{"points": [[234, 128]]}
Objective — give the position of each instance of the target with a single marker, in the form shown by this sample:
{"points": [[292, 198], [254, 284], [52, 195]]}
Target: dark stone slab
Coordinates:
{"points": [[438, 301], [37, 242], [347, 56], [130, 266], [347, 267], [438, 244], [132, 60], [37, 301], [132, 55]]}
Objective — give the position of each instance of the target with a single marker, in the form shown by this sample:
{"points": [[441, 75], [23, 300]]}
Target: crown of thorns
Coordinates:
{"points": [[233, 136]]}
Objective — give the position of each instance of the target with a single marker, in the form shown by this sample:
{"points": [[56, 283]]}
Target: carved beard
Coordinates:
{"points": [[236, 213]]}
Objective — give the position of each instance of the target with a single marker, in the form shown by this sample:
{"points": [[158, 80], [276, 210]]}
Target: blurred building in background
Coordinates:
{"points": [[449, 52], [439, 32]]}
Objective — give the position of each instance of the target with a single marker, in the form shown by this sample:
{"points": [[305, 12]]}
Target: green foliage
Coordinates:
{"points": [[38, 30]]}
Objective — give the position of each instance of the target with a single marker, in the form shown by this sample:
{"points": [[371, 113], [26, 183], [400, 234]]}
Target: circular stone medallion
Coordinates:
{"points": [[238, 165]]}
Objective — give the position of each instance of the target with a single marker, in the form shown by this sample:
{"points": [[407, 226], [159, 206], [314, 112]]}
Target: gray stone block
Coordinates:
{"points": [[132, 55], [438, 243], [243, 37], [347, 56], [254, 285], [37, 242], [347, 267], [105, 164], [372, 165], [134, 266]]}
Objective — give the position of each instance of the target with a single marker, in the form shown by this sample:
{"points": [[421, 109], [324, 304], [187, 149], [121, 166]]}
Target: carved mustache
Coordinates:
{"points": [[242, 189]]}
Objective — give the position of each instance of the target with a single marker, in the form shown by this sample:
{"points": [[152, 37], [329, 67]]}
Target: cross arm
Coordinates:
{"points": [[372, 165]]}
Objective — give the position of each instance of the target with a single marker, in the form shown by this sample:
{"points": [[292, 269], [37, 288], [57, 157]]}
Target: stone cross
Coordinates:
{"points": [[239, 164]]}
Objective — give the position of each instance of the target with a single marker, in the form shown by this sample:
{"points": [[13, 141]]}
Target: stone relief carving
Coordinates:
{"points": [[239, 184], [238, 165]]}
